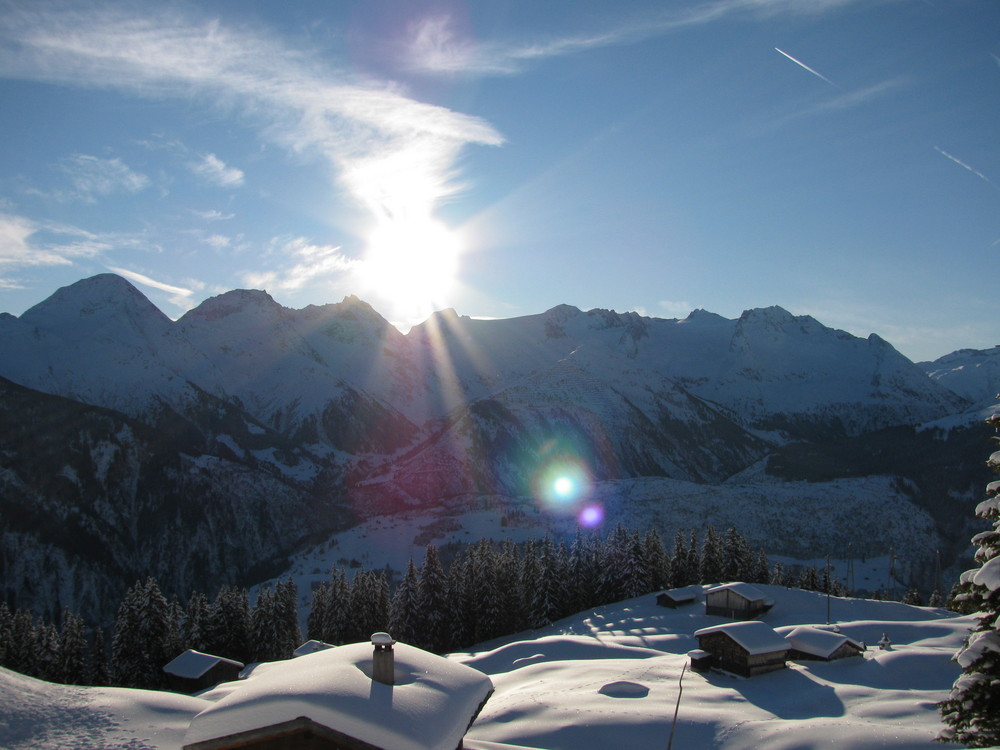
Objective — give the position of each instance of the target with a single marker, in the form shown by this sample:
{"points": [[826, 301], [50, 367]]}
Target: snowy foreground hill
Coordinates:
{"points": [[605, 678]]}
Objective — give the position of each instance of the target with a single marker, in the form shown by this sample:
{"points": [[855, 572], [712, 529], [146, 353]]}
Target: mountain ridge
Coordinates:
{"points": [[353, 418]]}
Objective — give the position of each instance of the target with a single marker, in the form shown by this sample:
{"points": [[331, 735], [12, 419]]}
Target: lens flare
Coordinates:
{"points": [[591, 516], [562, 486]]}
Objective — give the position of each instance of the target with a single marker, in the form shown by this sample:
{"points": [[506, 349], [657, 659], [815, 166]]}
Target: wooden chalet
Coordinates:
{"points": [[311, 647], [674, 598], [396, 697], [808, 643], [739, 601], [746, 648], [194, 671]]}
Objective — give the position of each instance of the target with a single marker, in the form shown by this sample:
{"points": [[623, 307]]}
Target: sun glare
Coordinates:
{"points": [[413, 264]]}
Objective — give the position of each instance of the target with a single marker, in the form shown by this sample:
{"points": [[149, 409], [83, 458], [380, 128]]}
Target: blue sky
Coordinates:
{"points": [[840, 158]]}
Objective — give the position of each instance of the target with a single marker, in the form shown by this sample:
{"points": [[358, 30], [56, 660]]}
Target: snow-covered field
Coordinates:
{"points": [[605, 678]]}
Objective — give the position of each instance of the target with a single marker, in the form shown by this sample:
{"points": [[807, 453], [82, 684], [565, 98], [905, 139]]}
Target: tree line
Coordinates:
{"points": [[487, 590]]}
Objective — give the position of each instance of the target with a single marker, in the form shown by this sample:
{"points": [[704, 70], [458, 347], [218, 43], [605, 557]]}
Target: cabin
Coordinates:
{"points": [[194, 671], [674, 598], [746, 648], [311, 647], [738, 601], [808, 643], [381, 695]]}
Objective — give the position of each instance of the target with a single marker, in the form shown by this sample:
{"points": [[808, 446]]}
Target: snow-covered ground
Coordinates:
{"points": [[605, 678]]}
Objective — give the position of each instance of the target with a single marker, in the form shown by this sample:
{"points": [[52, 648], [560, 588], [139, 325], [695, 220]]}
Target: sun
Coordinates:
{"points": [[412, 264]]}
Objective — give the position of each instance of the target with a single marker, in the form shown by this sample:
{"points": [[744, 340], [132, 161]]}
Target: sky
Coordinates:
{"points": [[839, 158]]}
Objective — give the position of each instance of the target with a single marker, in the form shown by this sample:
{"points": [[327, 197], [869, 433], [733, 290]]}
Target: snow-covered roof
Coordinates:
{"points": [[429, 708], [754, 636], [821, 643], [193, 664], [748, 592], [683, 594], [311, 647]]}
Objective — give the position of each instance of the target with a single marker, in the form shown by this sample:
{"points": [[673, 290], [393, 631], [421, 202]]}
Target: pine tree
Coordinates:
{"points": [[737, 557], [318, 611], [760, 571], [228, 628], [713, 566], [23, 656], [48, 665], [335, 624], [913, 597], [99, 674], [73, 650], [195, 623], [6, 625], [403, 608], [262, 627], [680, 568], [972, 710], [432, 603], [141, 637], [655, 561]]}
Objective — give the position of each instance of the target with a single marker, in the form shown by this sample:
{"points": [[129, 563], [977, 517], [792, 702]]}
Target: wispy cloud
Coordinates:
{"points": [[215, 171], [962, 164], [302, 263], [22, 243], [393, 153], [92, 177], [436, 46], [179, 296], [212, 215]]}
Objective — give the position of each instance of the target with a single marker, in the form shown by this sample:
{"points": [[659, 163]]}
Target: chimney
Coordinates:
{"points": [[384, 668]]}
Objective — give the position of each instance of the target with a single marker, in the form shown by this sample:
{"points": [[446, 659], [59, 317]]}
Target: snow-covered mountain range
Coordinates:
{"points": [[245, 430]]}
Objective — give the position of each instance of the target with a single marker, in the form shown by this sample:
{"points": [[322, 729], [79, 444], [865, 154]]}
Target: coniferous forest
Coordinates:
{"points": [[488, 589]]}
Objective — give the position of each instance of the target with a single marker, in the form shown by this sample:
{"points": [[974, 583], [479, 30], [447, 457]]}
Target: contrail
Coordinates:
{"points": [[962, 164], [803, 65]]}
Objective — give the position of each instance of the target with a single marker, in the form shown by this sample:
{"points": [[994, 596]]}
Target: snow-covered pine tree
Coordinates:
{"points": [[972, 710], [760, 572], [679, 567], [228, 631], [289, 635], [142, 629], [713, 565], [6, 624], [22, 656], [48, 657], [778, 577], [535, 602], [553, 558], [655, 561], [317, 611], [195, 623], [335, 623], [694, 559], [614, 566], [432, 603], [737, 557], [461, 599], [73, 650], [262, 627], [99, 674], [403, 607]]}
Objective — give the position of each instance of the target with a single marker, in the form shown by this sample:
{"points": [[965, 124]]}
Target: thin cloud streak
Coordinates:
{"points": [[806, 67], [962, 164], [436, 48], [147, 281]]}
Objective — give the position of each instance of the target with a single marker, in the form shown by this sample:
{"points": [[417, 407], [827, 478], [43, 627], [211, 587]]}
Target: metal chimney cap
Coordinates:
{"points": [[382, 639]]}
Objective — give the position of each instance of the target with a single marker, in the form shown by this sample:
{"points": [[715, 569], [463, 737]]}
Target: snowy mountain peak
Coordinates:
{"points": [[253, 301], [703, 317], [100, 297]]}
